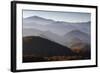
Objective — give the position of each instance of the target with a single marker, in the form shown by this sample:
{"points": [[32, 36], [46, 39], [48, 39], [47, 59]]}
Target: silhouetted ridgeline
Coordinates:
{"points": [[43, 47], [36, 49]]}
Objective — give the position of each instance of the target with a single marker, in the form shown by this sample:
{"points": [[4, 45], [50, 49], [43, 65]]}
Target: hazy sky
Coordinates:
{"points": [[59, 16]]}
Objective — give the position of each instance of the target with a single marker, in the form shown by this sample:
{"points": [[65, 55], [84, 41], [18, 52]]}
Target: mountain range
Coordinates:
{"points": [[63, 33], [58, 27]]}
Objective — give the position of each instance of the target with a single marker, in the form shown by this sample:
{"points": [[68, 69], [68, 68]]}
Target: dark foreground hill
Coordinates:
{"points": [[37, 47]]}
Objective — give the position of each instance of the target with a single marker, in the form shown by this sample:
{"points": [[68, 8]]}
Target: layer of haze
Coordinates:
{"points": [[59, 16]]}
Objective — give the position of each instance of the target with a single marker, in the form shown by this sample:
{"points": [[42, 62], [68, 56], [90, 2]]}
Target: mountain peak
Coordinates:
{"points": [[34, 17], [78, 32], [38, 18]]}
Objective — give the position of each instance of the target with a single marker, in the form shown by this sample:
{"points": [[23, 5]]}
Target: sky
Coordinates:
{"points": [[59, 16]]}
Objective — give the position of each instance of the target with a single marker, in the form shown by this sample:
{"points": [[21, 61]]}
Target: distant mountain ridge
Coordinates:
{"points": [[37, 20], [41, 18], [58, 27]]}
